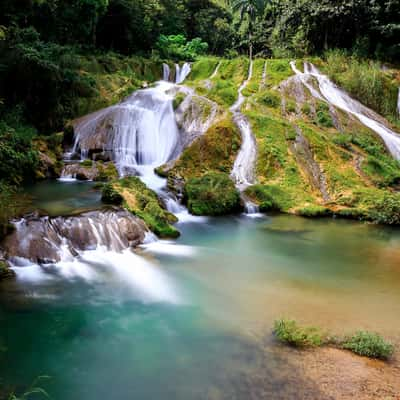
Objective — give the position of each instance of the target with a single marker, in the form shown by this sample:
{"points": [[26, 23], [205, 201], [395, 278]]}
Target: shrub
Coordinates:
{"points": [[287, 331], [176, 47], [212, 194], [369, 345], [385, 209]]}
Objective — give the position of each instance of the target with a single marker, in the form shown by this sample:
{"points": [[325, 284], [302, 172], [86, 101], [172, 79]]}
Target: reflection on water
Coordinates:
{"points": [[233, 277]]}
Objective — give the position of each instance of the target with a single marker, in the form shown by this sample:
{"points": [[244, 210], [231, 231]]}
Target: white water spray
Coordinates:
{"points": [[182, 72], [340, 99], [166, 72]]}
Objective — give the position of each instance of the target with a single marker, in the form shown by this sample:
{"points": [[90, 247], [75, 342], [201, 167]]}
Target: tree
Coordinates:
{"points": [[250, 10]]}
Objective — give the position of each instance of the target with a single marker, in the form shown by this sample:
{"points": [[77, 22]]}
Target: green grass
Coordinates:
{"points": [[203, 68], [289, 332], [363, 343], [364, 80], [314, 211], [368, 344]]}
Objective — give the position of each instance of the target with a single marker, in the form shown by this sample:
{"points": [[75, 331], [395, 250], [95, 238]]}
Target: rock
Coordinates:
{"points": [[91, 171], [47, 240], [5, 271]]}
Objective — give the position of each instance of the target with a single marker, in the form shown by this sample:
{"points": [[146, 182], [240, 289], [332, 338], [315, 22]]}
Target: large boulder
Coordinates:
{"points": [[47, 240]]}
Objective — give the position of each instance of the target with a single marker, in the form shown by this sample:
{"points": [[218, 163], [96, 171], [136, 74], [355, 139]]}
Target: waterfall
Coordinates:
{"points": [[182, 73], [141, 132], [243, 168], [214, 74], [166, 72], [398, 104], [92, 247], [340, 99]]}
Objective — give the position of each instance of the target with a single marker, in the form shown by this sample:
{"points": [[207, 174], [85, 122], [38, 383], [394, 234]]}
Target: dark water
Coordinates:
{"points": [[199, 326]]}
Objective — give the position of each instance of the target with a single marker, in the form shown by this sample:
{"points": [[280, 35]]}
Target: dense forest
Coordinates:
{"points": [[51, 51]]}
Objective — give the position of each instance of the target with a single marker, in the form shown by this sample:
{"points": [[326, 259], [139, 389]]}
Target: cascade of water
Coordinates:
{"points": [[182, 73], [214, 74], [166, 72], [243, 168], [398, 104], [140, 132], [340, 99]]}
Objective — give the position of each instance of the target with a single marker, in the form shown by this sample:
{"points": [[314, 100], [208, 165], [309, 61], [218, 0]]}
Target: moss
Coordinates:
{"points": [[5, 271], [107, 172], [277, 71], [270, 197], [212, 194], [87, 163], [323, 117], [214, 151], [110, 195], [269, 98], [178, 100], [144, 203]]}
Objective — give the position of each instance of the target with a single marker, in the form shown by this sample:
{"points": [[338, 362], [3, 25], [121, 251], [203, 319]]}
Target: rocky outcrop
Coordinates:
{"points": [[90, 171], [5, 271], [47, 240]]}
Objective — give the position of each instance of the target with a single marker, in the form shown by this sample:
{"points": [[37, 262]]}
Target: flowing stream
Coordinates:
{"points": [[340, 99], [244, 166]]}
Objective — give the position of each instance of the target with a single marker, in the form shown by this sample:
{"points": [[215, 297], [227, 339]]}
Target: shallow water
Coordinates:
{"points": [[211, 339], [60, 198]]}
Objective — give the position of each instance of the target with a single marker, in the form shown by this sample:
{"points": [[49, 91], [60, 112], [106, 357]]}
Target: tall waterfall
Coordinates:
{"points": [[340, 99], [243, 168]]}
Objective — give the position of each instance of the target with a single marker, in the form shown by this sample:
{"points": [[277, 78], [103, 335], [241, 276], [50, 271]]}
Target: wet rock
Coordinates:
{"points": [[5, 271], [47, 240], [90, 171]]}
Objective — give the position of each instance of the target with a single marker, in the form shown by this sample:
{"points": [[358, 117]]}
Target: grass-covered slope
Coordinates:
{"points": [[313, 159]]}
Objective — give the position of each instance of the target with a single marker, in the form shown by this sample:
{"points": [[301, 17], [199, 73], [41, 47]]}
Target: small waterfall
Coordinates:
{"points": [[214, 74], [182, 72], [92, 247], [340, 99], [243, 168], [398, 104], [166, 72]]}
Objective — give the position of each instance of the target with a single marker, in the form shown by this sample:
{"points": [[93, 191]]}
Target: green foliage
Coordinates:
{"points": [[364, 80], [110, 195], [18, 158], [287, 331], [178, 99], [384, 209], [176, 47], [369, 345], [269, 98], [323, 117], [212, 194]]}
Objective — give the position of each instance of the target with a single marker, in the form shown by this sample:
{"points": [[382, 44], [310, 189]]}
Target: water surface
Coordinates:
{"points": [[230, 278]]}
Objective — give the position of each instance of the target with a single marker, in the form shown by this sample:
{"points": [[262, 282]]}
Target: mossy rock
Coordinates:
{"points": [[212, 194], [5, 271], [314, 211], [137, 198]]}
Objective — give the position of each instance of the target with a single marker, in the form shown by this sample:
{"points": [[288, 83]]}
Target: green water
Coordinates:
{"points": [[60, 198], [215, 342]]}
